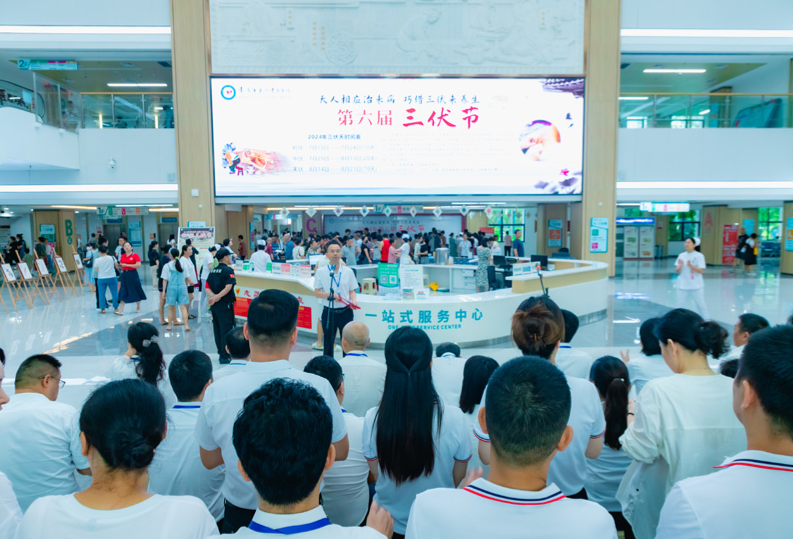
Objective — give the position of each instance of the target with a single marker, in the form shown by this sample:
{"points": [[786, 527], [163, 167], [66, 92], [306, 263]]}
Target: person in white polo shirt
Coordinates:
{"points": [[447, 372], [690, 265], [239, 350], [10, 513], [571, 361], [283, 439], [206, 266], [271, 329], [684, 424], [335, 286], [526, 414], [747, 324], [260, 258], [121, 425], [177, 469], [346, 492], [538, 329], [413, 441], [749, 494], [40, 450], [649, 364], [364, 377]]}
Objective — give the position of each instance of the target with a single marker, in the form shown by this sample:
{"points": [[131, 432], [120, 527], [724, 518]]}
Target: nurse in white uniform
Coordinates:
{"points": [[690, 265], [684, 424], [538, 329], [121, 425], [749, 494]]}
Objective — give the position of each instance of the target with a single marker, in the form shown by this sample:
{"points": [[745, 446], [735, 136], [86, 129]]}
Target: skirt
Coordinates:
{"points": [[131, 289], [176, 293]]}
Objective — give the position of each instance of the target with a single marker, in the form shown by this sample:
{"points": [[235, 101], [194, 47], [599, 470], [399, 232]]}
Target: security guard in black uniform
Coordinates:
{"points": [[220, 289]]}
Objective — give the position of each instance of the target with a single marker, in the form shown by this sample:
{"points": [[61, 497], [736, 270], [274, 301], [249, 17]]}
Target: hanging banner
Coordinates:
{"points": [[729, 244]]}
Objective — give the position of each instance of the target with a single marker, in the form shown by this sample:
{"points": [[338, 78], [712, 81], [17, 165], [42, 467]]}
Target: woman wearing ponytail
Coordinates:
{"points": [[143, 359], [538, 329], [684, 424], [121, 425], [174, 289], [412, 441], [604, 474]]}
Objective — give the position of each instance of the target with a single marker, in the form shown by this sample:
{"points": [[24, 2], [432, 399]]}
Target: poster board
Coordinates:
{"points": [[202, 238], [387, 278], [60, 265], [599, 235], [78, 261], [8, 273], [24, 270], [411, 277], [789, 234], [729, 244], [41, 266], [554, 232]]}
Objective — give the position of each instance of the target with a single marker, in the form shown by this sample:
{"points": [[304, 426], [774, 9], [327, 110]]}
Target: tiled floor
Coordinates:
{"points": [[87, 342]]}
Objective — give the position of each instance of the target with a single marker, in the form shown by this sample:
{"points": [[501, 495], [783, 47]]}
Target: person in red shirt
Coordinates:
{"points": [[243, 248], [384, 248], [130, 290]]}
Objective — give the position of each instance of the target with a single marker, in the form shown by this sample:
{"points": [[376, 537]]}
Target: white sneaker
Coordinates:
{"points": [[315, 346]]}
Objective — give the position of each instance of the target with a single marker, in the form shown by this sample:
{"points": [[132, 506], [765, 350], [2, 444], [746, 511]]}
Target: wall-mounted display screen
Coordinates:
{"points": [[396, 136]]}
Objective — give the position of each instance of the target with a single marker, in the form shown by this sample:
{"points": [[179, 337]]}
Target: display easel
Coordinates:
{"points": [[45, 277], [13, 278], [29, 282], [15, 289], [63, 274], [79, 268]]}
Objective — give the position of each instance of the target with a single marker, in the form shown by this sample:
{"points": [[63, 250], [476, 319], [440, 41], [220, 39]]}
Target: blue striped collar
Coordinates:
{"points": [[356, 353], [186, 405], [491, 491], [761, 460], [565, 346], [272, 524], [239, 362]]}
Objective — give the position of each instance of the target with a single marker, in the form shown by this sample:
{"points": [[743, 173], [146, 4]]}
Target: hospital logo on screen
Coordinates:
{"points": [[228, 92]]}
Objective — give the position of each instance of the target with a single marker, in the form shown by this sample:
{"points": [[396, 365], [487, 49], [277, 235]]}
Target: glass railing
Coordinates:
{"points": [[60, 105], [127, 110], [15, 96], [702, 111]]}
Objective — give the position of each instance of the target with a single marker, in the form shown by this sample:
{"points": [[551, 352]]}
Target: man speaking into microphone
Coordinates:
{"points": [[335, 286]]}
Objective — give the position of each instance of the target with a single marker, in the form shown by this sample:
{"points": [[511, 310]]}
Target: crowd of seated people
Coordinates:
{"points": [[553, 443]]}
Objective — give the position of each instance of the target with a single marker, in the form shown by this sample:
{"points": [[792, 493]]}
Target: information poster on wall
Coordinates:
{"points": [[789, 234], [599, 235], [729, 244], [48, 232], [390, 136], [135, 234], [554, 233]]}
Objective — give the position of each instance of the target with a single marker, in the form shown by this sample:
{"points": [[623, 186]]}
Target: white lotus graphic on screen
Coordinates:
{"points": [[253, 162]]}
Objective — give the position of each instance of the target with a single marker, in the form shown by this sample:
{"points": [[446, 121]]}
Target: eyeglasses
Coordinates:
{"points": [[61, 383]]}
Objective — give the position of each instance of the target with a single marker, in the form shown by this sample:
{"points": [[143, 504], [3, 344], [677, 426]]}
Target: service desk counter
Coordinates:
{"points": [[468, 319]]}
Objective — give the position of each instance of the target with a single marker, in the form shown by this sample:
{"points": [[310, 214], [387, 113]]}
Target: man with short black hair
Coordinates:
{"points": [[220, 290], [40, 447], [525, 413], [447, 372], [572, 362], [271, 330], [260, 258], [239, 349], [177, 469], [346, 492], [283, 440], [335, 286], [750, 495], [747, 324]]}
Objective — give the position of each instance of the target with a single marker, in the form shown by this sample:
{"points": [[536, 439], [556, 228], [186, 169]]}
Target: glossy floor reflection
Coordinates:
{"points": [[87, 342]]}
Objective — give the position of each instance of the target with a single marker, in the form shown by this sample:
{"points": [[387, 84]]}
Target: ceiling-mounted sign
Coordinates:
{"points": [[489, 212], [338, 210], [413, 211], [387, 211], [463, 210], [665, 207], [111, 212], [47, 65], [311, 211], [365, 210], [437, 211]]}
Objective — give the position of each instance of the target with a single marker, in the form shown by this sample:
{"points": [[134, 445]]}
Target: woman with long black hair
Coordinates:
{"points": [[685, 424], [538, 329], [605, 473], [144, 359], [174, 286], [476, 373], [121, 425], [412, 441]]}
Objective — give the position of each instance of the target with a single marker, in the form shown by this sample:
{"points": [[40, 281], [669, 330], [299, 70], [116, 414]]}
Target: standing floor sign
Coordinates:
{"points": [[729, 244], [388, 278], [599, 235]]}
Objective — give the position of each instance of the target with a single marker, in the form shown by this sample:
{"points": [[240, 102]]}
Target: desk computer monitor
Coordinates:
{"points": [[542, 259], [313, 259], [499, 261]]}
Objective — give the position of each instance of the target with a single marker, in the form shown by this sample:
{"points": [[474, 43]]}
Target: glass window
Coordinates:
{"points": [[770, 224], [505, 220], [684, 225]]}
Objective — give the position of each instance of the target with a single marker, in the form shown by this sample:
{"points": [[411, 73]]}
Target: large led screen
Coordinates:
{"points": [[396, 136]]}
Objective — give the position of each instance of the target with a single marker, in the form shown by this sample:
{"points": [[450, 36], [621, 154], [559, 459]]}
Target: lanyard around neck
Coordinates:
{"points": [[290, 530]]}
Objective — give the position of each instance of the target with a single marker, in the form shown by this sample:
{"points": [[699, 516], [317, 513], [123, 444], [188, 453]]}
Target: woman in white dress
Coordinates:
{"points": [[690, 265], [143, 359], [684, 424], [121, 425]]}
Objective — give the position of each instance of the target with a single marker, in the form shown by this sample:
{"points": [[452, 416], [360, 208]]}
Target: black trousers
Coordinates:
{"points": [[338, 319], [222, 322], [622, 525], [581, 495], [507, 250], [235, 517]]}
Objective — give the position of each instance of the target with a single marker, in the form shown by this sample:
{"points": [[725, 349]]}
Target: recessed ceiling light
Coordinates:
{"points": [[703, 112], [136, 85], [679, 71]]}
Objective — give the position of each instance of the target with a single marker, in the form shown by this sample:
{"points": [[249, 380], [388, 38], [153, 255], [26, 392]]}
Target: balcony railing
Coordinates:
{"points": [[703, 111], [127, 110], [15, 96]]}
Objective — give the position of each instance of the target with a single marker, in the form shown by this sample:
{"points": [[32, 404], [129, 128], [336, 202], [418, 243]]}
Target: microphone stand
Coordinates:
{"points": [[542, 285]]}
